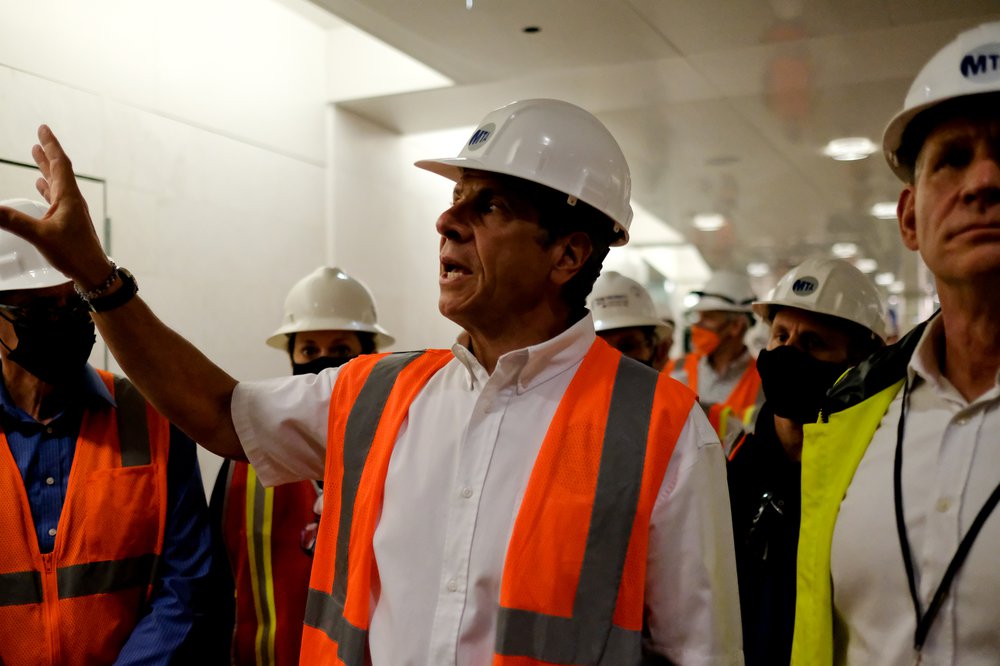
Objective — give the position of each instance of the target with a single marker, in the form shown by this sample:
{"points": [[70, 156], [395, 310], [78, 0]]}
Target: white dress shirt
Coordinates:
{"points": [[455, 482], [951, 464]]}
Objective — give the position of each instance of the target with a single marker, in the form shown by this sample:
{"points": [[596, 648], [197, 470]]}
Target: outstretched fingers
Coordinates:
{"points": [[55, 166]]}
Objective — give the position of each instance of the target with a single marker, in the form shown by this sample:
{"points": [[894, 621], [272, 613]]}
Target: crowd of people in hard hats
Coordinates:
{"points": [[553, 488]]}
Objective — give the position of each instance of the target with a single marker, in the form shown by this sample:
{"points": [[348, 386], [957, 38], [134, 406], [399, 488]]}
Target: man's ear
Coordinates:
{"points": [[907, 216], [572, 253]]}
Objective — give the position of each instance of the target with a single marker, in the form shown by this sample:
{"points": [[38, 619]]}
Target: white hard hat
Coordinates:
{"points": [[21, 265], [328, 299], [620, 302], [831, 287], [556, 144], [969, 65], [725, 291]]}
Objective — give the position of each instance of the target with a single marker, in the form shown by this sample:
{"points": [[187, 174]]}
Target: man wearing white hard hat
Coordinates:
{"points": [[625, 317], [897, 555], [532, 498], [106, 544], [825, 316], [269, 533], [720, 368]]}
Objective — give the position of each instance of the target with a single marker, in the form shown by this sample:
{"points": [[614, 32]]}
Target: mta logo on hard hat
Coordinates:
{"points": [[804, 286], [982, 64], [481, 136]]}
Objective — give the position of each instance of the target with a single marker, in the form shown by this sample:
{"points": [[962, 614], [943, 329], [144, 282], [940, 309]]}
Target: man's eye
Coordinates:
{"points": [[953, 157]]}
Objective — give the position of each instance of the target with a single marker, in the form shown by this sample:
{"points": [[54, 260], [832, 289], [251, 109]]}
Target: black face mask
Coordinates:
{"points": [[795, 383], [54, 350], [317, 365]]}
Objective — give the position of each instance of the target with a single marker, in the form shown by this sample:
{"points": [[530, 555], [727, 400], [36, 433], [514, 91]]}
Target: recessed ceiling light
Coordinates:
{"points": [[897, 287], [709, 221], [884, 210], [885, 279], [844, 250], [850, 148], [758, 269], [866, 265]]}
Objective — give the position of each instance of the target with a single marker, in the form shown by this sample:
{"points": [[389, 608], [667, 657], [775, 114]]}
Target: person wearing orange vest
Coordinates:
{"points": [[532, 498], [625, 317], [269, 534], [720, 368], [105, 537]]}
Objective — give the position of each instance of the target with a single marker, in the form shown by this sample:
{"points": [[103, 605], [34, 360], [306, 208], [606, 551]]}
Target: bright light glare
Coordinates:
{"points": [[897, 287], [844, 250], [690, 301], [850, 148], [709, 221], [885, 279], [884, 210], [866, 265], [758, 269]]}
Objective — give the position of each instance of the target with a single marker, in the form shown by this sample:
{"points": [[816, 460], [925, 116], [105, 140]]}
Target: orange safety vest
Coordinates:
{"points": [[262, 528], [79, 604], [741, 402], [572, 588]]}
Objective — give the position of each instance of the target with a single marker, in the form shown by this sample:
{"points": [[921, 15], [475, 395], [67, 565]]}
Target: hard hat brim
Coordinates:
{"points": [[279, 339]]}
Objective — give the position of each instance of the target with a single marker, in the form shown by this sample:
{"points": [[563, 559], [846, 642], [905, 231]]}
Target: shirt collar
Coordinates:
{"points": [[92, 390], [924, 364], [534, 365]]}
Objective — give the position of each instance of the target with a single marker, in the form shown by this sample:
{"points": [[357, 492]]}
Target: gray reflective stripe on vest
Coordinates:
{"points": [[589, 636], [133, 433], [20, 587], [326, 611], [78, 580]]}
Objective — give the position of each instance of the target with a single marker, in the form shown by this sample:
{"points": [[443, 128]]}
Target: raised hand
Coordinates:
{"points": [[66, 234]]}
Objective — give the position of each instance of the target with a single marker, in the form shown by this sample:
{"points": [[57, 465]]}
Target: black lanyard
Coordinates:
{"points": [[925, 620]]}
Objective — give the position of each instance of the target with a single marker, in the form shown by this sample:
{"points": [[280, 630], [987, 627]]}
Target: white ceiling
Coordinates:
{"points": [[719, 105]]}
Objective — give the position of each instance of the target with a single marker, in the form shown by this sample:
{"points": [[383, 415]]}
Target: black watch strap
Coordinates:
{"points": [[118, 297]]}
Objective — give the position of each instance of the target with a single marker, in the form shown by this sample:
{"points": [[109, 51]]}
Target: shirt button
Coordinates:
{"points": [[49, 481], [452, 585], [48, 429], [466, 493], [52, 531], [943, 504]]}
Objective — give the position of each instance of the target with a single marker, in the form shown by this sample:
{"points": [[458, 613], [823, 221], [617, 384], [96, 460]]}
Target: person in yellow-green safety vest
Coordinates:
{"points": [[901, 475], [269, 534], [824, 316]]}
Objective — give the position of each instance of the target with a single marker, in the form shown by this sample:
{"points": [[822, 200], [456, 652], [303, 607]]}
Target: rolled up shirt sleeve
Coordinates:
{"points": [[282, 425], [692, 596]]}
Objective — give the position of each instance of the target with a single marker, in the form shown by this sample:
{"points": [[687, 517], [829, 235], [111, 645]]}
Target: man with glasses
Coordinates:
{"points": [[105, 536]]}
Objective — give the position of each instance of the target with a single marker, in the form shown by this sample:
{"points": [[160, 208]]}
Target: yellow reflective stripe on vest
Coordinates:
{"points": [[259, 512], [326, 611], [589, 637]]}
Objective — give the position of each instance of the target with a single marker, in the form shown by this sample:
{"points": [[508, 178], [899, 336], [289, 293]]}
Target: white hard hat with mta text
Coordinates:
{"points": [[969, 65], [553, 143], [829, 286], [617, 301]]}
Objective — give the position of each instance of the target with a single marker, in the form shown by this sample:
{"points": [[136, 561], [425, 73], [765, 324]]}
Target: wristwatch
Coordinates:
{"points": [[118, 297]]}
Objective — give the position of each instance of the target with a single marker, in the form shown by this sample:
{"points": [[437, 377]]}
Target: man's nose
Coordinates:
{"points": [[451, 223], [982, 183]]}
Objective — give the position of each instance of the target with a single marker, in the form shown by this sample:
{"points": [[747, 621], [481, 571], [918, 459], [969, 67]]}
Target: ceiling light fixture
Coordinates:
{"points": [[844, 250], [758, 269], [885, 279], [850, 148], [897, 287], [866, 265], [884, 210], [709, 221]]}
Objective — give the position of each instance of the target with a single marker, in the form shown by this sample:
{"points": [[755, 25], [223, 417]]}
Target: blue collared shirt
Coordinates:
{"points": [[44, 455]]}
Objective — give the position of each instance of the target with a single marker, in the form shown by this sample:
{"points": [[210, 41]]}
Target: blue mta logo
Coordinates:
{"points": [[982, 64], [804, 286], [481, 136]]}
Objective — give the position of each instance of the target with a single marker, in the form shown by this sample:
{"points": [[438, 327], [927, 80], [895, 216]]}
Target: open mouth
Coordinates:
{"points": [[451, 269]]}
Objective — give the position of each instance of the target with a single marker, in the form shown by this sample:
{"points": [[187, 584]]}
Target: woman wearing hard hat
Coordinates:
{"points": [[269, 534], [825, 316]]}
